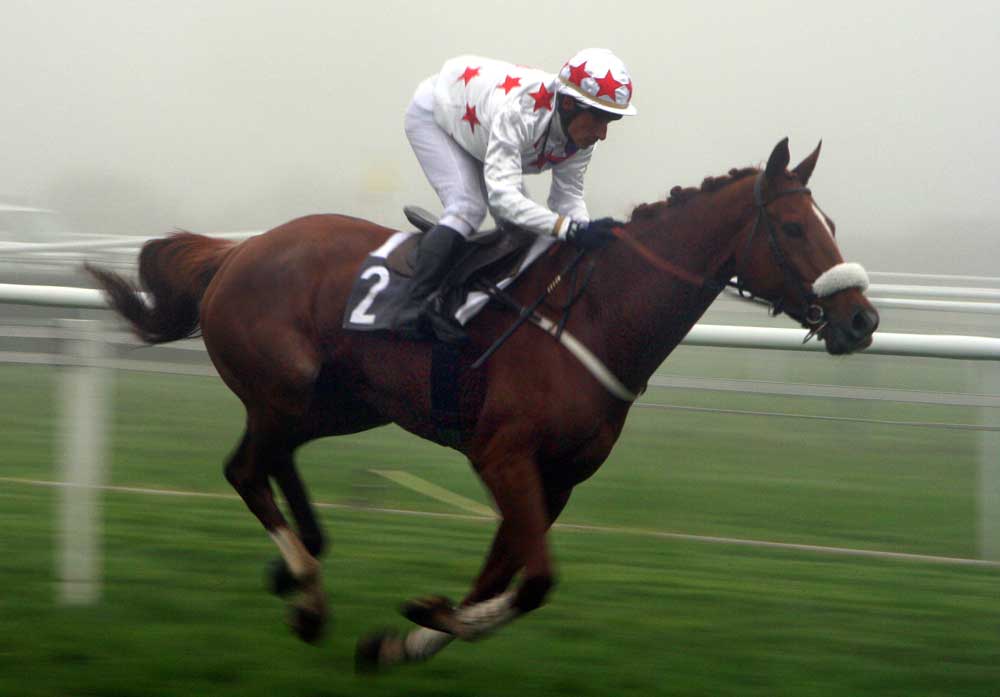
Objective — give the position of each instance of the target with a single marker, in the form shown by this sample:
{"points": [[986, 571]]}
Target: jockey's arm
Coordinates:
{"points": [[502, 172], [566, 192]]}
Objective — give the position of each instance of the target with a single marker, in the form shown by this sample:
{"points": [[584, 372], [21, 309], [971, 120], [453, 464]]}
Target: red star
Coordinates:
{"points": [[509, 84], [470, 116], [578, 73], [469, 73], [543, 98], [607, 85]]}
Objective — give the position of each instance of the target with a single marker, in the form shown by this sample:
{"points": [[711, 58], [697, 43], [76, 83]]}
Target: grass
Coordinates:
{"points": [[183, 611], [183, 614]]}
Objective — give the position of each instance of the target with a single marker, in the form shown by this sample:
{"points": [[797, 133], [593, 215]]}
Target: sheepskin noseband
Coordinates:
{"points": [[840, 277]]}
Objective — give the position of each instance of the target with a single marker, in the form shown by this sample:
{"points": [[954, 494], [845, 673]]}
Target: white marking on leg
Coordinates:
{"points": [[306, 570], [298, 559], [422, 643], [476, 621]]}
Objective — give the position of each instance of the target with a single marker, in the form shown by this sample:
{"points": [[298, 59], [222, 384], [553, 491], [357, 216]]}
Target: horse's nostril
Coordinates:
{"points": [[864, 322]]}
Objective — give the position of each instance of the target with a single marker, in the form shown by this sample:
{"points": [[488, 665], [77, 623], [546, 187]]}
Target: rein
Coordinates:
{"points": [[812, 314], [524, 313], [656, 260]]}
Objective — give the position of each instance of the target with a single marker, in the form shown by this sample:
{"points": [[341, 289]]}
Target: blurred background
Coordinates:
{"points": [[771, 522], [138, 118]]}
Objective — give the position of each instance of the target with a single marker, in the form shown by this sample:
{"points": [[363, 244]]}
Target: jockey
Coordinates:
{"points": [[478, 126]]}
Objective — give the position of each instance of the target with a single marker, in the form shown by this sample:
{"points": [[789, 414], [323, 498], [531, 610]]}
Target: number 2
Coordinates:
{"points": [[360, 314]]}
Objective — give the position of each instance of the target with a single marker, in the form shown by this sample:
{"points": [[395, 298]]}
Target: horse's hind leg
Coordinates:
{"points": [[294, 491], [284, 472], [247, 470]]}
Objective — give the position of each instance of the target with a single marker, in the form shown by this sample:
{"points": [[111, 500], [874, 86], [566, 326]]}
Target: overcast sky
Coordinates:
{"points": [[240, 114]]}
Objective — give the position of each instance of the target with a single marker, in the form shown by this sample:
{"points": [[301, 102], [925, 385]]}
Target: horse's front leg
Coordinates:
{"points": [[520, 544], [247, 471], [388, 647], [502, 564]]}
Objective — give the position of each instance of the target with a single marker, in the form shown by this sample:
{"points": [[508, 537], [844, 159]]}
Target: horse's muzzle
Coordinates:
{"points": [[854, 332]]}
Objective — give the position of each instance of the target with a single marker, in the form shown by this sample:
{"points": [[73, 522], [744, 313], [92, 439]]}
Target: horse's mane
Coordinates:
{"points": [[679, 195]]}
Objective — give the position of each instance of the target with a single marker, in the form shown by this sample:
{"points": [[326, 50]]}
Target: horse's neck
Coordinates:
{"points": [[650, 310]]}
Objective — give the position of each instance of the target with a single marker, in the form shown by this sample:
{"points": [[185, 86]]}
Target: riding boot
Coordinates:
{"points": [[433, 254]]}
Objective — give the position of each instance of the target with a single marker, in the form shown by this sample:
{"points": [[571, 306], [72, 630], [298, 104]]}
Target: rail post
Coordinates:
{"points": [[82, 424], [989, 465]]}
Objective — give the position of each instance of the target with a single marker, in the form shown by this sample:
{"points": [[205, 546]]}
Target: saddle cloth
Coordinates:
{"points": [[380, 288]]}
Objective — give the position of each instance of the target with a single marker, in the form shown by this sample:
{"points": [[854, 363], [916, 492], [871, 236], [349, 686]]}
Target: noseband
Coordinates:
{"points": [[810, 313]]}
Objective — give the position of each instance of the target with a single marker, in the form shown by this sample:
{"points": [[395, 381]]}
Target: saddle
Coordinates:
{"points": [[493, 255], [489, 259]]}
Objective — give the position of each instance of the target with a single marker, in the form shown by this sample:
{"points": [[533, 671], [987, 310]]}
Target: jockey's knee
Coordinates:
{"points": [[533, 592]]}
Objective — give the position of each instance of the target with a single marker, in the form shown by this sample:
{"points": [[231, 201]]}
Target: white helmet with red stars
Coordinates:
{"points": [[599, 79]]}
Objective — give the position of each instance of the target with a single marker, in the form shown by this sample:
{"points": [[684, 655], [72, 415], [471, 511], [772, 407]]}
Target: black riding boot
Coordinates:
{"points": [[414, 320]]}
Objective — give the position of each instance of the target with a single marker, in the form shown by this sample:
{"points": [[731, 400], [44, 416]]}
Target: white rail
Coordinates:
{"points": [[937, 292], [104, 243], [897, 275], [977, 348], [52, 296], [936, 305], [885, 343]]}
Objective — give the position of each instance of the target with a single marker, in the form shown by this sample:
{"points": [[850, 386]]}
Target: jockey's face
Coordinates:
{"points": [[588, 126]]}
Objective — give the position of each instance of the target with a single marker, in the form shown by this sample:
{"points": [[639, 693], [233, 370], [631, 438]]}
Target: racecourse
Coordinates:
{"points": [[647, 604]]}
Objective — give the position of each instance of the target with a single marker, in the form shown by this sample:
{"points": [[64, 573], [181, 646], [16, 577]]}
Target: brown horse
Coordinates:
{"points": [[533, 420]]}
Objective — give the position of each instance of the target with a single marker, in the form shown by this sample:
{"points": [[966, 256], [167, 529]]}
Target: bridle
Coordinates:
{"points": [[810, 313]]}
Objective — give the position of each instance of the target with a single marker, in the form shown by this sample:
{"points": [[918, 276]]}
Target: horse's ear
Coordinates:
{"points": [[777, 163], [806, 167]]}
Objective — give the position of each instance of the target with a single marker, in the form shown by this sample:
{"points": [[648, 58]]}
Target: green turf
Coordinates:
{"points": [[183, 612]]}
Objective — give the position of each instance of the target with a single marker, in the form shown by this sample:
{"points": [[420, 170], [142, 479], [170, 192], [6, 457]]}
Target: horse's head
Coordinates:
{"points": [[788, 256]]}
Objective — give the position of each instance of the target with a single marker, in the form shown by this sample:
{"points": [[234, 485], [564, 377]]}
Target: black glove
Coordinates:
{"points": [[592, 235]]}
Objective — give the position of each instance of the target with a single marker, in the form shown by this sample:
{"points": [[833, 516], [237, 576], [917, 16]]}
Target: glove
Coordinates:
{"points": [[592, 235]]}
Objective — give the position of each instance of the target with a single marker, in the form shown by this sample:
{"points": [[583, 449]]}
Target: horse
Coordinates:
{"points": [[533, 420]]}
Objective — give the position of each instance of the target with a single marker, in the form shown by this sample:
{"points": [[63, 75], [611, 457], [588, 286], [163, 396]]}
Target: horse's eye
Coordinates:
{"points": [[792, 229]]}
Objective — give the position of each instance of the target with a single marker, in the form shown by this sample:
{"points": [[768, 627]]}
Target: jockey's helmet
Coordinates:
{"points": [[597, 78]]}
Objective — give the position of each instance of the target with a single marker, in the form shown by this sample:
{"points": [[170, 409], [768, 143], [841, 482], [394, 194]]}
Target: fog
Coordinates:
{"points": [[142, 117]]}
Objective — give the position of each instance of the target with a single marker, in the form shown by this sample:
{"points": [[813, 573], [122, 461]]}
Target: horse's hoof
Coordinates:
{"points": [[278, 578], [307, 624], [377, 651], [430, 611]]}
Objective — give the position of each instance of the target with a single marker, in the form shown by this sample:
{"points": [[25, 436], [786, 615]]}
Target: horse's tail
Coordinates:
{"points": [[174, 272]]}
